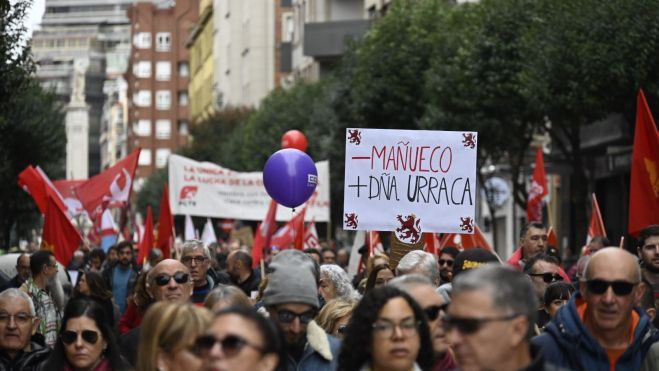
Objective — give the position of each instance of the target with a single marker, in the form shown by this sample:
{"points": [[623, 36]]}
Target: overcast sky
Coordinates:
{"points": [[34, 15]]}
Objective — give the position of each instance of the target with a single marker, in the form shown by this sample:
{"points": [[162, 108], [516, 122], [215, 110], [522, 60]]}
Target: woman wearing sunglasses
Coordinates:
{"points": [[86, 341], [394, 329], [240, 339], [168, 335]]}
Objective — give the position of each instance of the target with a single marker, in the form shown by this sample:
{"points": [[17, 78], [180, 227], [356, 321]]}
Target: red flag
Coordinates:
{"points": [[374, 243], [59, 235], [465, 241], [299, 230], [264, 232], [644, 186], [37, 184], [538, 189], [111, 188], [285, 237], [66, 189], [311, 237], [165, 225], [596, 225], [552, 240], [147, 240], [432, 243]]}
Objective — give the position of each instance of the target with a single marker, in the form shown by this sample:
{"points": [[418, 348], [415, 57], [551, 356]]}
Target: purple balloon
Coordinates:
{"points": [[290, 177]]}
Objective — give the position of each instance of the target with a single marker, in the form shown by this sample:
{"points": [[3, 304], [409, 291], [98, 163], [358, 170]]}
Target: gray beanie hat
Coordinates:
{"points": [[293, 279]]}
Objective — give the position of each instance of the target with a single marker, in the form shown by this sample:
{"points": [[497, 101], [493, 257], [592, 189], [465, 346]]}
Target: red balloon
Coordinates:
{"points": [[294, 139]]}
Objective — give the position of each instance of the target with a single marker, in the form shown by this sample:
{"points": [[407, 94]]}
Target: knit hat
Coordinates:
{"points": [[472, 258], [293, 279]]}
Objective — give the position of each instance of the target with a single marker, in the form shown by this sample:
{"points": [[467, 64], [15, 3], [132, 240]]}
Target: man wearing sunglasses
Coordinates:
{"points": [[543, 269], [424, 293], [600, 328], [291, 299], [491, 318]]}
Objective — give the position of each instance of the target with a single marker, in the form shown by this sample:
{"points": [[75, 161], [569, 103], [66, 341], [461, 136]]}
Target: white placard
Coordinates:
{"points": [[410, 181], [207, 189]]}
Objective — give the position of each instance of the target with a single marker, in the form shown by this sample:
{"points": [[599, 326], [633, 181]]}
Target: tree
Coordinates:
{"points": [[31, 125]]}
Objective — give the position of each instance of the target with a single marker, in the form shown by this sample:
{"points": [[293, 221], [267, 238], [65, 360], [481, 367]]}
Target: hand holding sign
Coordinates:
{"points": [[290, 177]]}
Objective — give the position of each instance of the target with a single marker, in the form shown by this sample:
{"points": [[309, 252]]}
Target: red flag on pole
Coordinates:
{"points": [[432, 243], [538, 189], [311, 237], [147, 240], [299, 230], [264, 232], [111, 188], [552, 240], [596, 225], [465, 241], [165, 225], [644, 185], [66, 189], [286, 236], [374, 243], [39, 187], [59, 235]]}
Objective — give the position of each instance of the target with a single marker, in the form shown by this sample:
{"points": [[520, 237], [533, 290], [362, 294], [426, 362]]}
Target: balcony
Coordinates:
{"points": [[327, 40]]}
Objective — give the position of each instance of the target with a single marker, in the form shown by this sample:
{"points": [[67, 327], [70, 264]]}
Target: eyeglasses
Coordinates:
{"points": [[469, 326], [548, 277], [620, 288], [448, 262], [88, 336], [385, 328], [286, 316], [19, 318], [231, 345], [432, 312], [179, 277], [197, 259]]}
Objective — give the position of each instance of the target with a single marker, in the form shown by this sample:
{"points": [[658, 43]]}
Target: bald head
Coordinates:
{"points": [[613, 263], [169, 280]]}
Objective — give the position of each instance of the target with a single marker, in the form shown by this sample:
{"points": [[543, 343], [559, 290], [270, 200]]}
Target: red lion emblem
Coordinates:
{"points": [[409, 228], [469, 140], [467, 225], [351, 220], [355, 137], [188, 193]]}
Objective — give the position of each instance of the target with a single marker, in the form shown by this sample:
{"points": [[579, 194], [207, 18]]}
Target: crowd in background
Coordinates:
{"points": [[211, 308]]}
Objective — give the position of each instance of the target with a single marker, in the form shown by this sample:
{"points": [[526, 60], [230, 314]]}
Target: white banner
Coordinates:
{"points": [[206, 189], [410, 181]]}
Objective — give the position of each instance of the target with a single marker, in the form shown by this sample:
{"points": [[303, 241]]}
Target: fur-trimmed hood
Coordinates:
{"points": [[318, 340]]}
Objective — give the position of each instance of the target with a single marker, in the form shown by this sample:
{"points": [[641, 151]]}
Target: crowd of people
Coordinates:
{"points": [[209, 309]]}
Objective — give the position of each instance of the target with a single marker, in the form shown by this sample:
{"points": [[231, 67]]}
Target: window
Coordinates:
{"points": [[163, 41], [163, 99], [143, 98], [162, 154], [287, 27], [145, 157], [163, 129], [143, 128], [163, 71], [183, 98], [142, 40], [183, 128], [142, 69], [183, 69]]}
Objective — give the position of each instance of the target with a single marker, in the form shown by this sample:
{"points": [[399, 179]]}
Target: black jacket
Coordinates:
{"points": [[25, 361]]}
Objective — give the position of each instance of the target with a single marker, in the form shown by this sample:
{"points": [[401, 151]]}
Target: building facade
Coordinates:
{"points": [[203, 99], [157, 76]]}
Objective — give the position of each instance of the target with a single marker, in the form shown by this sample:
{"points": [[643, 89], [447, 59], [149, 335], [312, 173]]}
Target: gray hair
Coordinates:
{"points": [[418, 261], [340, 279], [18, 294], [410, 280], [511, 291], [192, 245]]}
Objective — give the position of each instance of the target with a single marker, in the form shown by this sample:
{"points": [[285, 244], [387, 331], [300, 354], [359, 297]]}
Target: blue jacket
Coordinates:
{"points": [[567, 343], [320, 354]]}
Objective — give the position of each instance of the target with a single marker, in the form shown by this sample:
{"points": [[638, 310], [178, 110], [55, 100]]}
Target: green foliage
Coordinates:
{"points": [[31, 126]]}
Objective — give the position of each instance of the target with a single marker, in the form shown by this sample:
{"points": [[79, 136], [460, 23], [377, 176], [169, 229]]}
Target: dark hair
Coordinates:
{"points": [[603, 240], [97, 253], [123, 244], [528, 226], [528, 267], [38, 260], [91, 309], [647, 300], [649, 231], [450, 250], [243, 257], [359, 331], [373, 275], [273, 339], [18, 259], [324, 249], [98, 289], [558, 290], [311, 250]]}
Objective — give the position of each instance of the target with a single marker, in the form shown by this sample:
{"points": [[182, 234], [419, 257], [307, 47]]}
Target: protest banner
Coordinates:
{"points": [[209, 190], [410, 182]]}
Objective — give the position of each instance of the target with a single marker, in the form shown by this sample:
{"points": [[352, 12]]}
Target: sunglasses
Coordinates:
{"points": [[286, 316], [231, 345], [548, 277], [620, 288], [432, 312], [448, 262], [470, 326], [179, 277], [88, 336]]}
